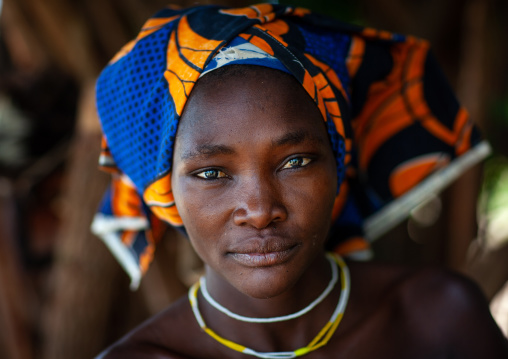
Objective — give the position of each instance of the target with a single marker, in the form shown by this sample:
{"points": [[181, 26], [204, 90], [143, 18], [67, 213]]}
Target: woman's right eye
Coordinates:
{"points": [[211, 174]]}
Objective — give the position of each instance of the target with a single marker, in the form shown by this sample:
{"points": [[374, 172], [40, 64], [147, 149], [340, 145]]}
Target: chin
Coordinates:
{"points": [[262, 293], [264, 283]]}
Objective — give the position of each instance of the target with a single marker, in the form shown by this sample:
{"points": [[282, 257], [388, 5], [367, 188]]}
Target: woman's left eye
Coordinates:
{"points": [[297, 162], [211, 174]]}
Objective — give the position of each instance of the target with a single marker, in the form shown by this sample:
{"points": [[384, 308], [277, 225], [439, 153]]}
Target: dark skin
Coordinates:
{"points": [[254, 181]]}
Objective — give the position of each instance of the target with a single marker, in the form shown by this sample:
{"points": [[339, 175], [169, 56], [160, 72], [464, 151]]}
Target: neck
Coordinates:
{"points": [[279, 336], [292, 299]]}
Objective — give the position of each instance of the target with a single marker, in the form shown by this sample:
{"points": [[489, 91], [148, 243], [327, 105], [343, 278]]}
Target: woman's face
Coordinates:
{"points": [[254, 180]]}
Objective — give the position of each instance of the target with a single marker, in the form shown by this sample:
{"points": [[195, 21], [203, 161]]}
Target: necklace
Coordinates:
{"points": [[320, 340], [328, 289]]}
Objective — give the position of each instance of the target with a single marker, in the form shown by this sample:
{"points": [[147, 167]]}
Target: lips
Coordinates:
{"points": [[264, 253]]}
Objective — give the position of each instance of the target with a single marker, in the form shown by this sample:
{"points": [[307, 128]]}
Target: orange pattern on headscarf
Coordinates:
{"points": [[391, 104], [126, 201], [194, 49], [262, 12], [355, 56], [159, 197], [150, 26]]}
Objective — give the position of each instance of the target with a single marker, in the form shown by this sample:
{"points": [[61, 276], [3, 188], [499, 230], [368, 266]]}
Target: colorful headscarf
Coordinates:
{"points": [[395, 126]]}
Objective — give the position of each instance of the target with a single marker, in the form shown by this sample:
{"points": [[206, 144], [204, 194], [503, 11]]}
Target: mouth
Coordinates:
{"points": [[266, 256]]}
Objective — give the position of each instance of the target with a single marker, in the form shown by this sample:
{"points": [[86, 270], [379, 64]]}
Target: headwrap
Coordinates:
{"points": [[395, 127]]}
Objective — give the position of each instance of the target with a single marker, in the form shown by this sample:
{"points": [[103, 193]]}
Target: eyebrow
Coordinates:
{"points": [[295, 138], [210, 150], [207, 150]]}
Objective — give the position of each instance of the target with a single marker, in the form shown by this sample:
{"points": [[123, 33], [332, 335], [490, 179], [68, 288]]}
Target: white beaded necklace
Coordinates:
{"points": [[319, 341], [219, 307]]}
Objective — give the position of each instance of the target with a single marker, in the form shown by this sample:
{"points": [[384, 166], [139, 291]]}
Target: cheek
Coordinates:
{"points": [[196, 225], [202, 211], [312, 201]]}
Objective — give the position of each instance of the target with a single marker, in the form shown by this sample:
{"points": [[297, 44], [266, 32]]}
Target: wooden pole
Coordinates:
{"points": [[84, 278], [463, 194], [15, 340]]}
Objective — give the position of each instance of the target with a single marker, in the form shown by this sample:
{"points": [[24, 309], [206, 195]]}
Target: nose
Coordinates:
{"points": [[259, 203]]}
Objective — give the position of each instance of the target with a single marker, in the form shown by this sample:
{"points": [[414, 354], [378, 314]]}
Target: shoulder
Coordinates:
{"points": [[443, 297], [453, 311], [435, 306], [170, 334], [438, 297], [430, 287]]}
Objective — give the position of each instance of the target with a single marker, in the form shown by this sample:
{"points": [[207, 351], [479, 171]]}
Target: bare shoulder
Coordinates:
{"points": [[438, 307], [457, 306], [441, 290], [171, 334], [430, 288]]}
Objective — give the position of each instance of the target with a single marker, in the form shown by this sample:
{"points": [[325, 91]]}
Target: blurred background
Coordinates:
{"points": [[62, 294]]}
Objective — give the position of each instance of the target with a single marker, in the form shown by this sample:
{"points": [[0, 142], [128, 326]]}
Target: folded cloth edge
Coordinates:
{"points": [[395, 212]]}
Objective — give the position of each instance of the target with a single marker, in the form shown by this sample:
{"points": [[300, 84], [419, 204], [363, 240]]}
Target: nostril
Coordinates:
{"points": [[259, 203], [259, 216], [279, 216]]}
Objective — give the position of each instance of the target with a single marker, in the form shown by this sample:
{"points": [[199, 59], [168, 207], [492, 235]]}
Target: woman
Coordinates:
{"points": [[232, 126]]}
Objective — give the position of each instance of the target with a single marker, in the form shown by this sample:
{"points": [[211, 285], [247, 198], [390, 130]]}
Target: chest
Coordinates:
{"points": [[376, 338], [385, 333]]}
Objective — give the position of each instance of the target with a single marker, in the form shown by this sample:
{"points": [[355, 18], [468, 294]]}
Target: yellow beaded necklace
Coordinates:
{"points": [[320, 340]]}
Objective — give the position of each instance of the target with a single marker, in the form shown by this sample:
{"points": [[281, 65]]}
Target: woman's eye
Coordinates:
{"points": [[211, 174], [297, 162]]}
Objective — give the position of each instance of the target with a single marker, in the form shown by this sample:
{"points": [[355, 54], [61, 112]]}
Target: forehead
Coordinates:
{"points": [[237, 91]]}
